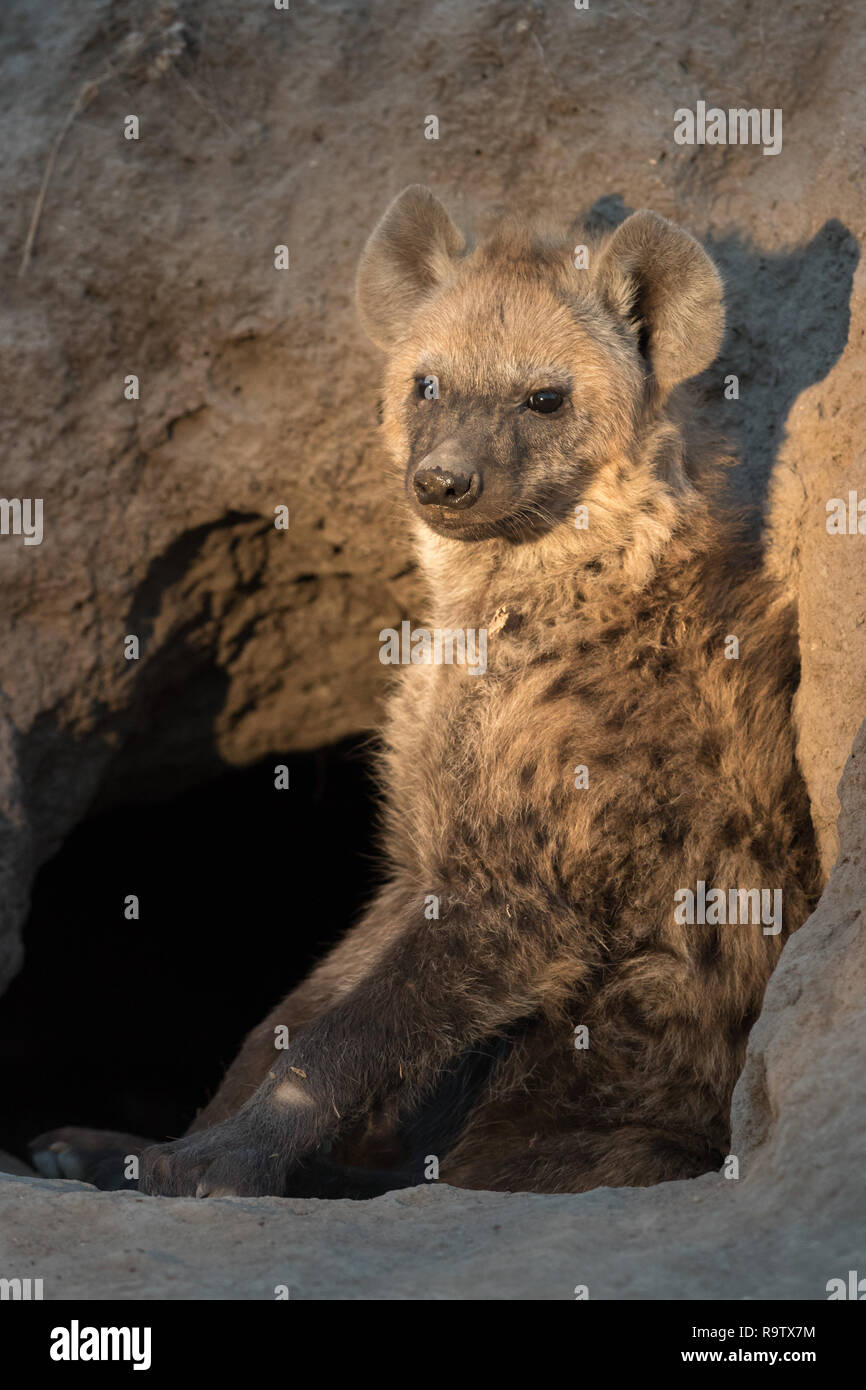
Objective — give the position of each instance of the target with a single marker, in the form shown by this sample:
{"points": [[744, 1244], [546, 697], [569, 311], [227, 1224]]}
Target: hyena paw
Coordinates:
{"points": [[228, 1160], [98, 1156]]}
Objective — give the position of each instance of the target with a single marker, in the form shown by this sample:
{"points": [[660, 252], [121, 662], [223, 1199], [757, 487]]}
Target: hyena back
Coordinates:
{"points": [[523, 1001]]}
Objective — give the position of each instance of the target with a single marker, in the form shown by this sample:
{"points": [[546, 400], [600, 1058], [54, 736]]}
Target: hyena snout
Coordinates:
{"points": [[454, 487]]}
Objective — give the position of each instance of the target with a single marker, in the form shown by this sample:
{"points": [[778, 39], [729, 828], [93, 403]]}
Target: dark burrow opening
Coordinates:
{"points": [[129, 1025]]}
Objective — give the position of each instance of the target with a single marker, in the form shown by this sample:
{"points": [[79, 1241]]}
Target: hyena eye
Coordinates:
{"points": [[427, 388], [544, 402]]}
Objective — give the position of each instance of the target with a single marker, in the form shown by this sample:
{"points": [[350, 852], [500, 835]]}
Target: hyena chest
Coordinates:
{"points": [[529, 765]]}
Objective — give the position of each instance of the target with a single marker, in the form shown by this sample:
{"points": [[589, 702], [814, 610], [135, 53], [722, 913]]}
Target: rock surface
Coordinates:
{"points": [[155, 257], [793, 1219]]}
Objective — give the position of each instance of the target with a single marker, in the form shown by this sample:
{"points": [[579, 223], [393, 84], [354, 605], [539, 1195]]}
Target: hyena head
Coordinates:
{"points": [[518, 384]]}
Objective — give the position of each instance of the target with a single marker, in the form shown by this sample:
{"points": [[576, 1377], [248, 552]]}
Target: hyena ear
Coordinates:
{"points": [[407, 256], [656, 276]]}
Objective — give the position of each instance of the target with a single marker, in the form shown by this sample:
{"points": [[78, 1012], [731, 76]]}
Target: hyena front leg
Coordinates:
{"points": [[438, 988], [335, 977]]}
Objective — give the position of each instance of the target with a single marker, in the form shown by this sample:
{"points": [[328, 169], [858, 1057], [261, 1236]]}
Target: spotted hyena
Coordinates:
{"points": [[527, 1002]]}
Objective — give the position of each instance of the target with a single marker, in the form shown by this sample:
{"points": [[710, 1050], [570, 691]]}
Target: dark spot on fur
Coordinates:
{"points": [[710, 749], [762, 849], [734, 830], [586, 689], [633, 1020], [604, 758], [544, 658], [558, 688], [523, 875], [709, 947]]}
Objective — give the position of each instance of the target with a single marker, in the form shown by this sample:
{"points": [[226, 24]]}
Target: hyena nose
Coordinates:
{"points": [[445, 487]]}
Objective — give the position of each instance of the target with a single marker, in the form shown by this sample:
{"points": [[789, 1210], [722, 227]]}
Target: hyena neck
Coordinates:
{"points": [[631, 516]]}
